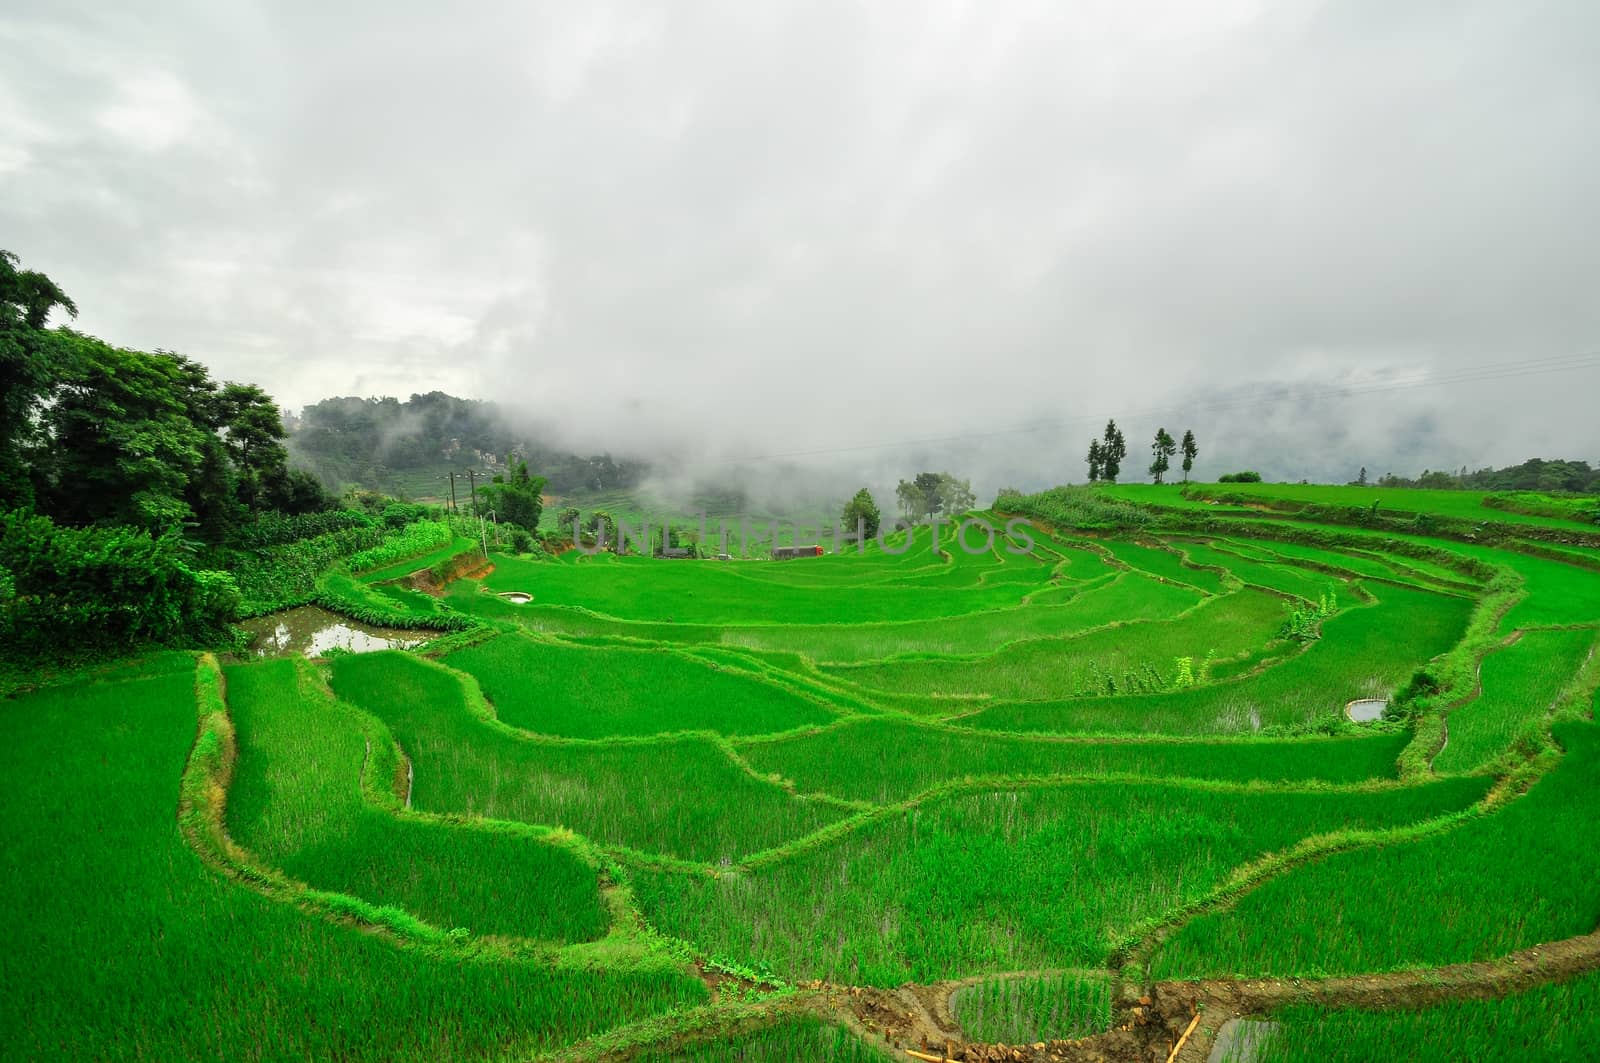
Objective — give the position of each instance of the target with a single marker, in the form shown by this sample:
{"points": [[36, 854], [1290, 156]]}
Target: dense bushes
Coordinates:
{"points": [[1539, 505], [1074, 507], [414, 539], [276, 529], [397, 515], [286, 575], [1248, 476], [68, 590]]}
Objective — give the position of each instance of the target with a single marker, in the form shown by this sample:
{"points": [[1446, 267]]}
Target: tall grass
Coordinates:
{"points": [[415, 539], [1520, 683], [1167, 564], [744, 592], [885, 759], [1363, 652], [1037, 669], [1505, 881], [680, 797], [121, 945], [1284, 578], [596, 692], [296, 803], [1546, 1024], [803, 1037], [1041, 1008], [1002, 880]]}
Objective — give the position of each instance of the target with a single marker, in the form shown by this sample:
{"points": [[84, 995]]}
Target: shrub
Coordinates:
{"points": [[397, 515], [276, 529], [1075, 507], [1248, 476], [417, 538], [104, 588]]}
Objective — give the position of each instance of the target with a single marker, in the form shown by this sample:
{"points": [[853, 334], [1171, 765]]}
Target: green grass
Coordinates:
{"points": [[801, 1038], [1072, 607], [1520, 683], [740, 592], [681, 797], [1498, 883], [1166, 564], [121, 945], [1463, 505], [1546, 1024], [1283, 578], [887, 760], [296, 803], [1042, 1008], [1558, 593], [1363, 652], [1229, 625], [1126, 598], [597, 692], [456, 546], [1005, 880]]}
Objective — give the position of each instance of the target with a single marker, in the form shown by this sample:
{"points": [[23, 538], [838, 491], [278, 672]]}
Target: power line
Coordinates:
{"points": [[1464, 375]]}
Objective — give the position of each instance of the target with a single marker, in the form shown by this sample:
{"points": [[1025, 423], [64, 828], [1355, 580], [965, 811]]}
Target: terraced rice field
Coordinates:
{"points": [[675, 809]]}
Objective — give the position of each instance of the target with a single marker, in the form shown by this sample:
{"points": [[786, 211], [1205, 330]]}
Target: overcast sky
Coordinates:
{"points": [[768, 227]]}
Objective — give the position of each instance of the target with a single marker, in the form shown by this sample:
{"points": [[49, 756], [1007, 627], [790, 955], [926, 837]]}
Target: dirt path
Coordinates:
{"points": [[1146, 1027]]}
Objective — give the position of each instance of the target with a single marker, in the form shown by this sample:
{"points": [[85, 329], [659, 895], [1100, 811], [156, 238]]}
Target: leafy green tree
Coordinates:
{"points": [[1161, 451], [1094, 460], [31, 363], [518, 500], [568, 518], [955, 496], [252, 427], [1361, 479], [909, 499], [1113, 448], [928, 490], [1191, 450], [863, 510], [123, 442], [602, 527]]}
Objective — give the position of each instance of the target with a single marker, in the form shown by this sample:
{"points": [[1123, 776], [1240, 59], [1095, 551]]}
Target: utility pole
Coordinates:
{"points": [[472, 481], [453, 491]]}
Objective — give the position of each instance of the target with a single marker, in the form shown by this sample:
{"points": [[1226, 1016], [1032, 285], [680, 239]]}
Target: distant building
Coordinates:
{"points": [[786, 553]]}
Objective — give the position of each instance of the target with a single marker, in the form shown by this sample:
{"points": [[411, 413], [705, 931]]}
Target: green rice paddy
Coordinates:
{"points": [[1049, 776]]}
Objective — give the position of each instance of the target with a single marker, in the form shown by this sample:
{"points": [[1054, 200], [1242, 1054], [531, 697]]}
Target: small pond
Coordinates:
{"points": [[517, 597], [312, 631], [1366, 710]]}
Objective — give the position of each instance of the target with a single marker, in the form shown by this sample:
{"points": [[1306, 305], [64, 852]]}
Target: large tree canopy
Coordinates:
{"points": [[92, 434]]}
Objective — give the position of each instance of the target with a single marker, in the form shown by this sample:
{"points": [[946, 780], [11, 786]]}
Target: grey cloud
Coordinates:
{"points": [[723, 230]]}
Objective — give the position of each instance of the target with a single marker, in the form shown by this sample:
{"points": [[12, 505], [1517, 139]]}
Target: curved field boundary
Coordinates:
{"points": [[628, 943]]}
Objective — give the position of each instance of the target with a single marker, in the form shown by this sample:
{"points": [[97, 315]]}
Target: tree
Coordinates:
{"points": [[861, 510], [920, 495], [253, 429], [955, 496], [1094, 460], [1191, 450], [602, 527], [32, 361], [1113, 448], [1161, 451], [518, 500], [908, 498], [1362, 478], [568, 518]]}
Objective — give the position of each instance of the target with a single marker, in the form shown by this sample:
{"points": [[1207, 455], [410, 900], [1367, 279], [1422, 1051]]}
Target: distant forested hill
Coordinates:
{"points": [[1535, 474], [409, 447]]}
